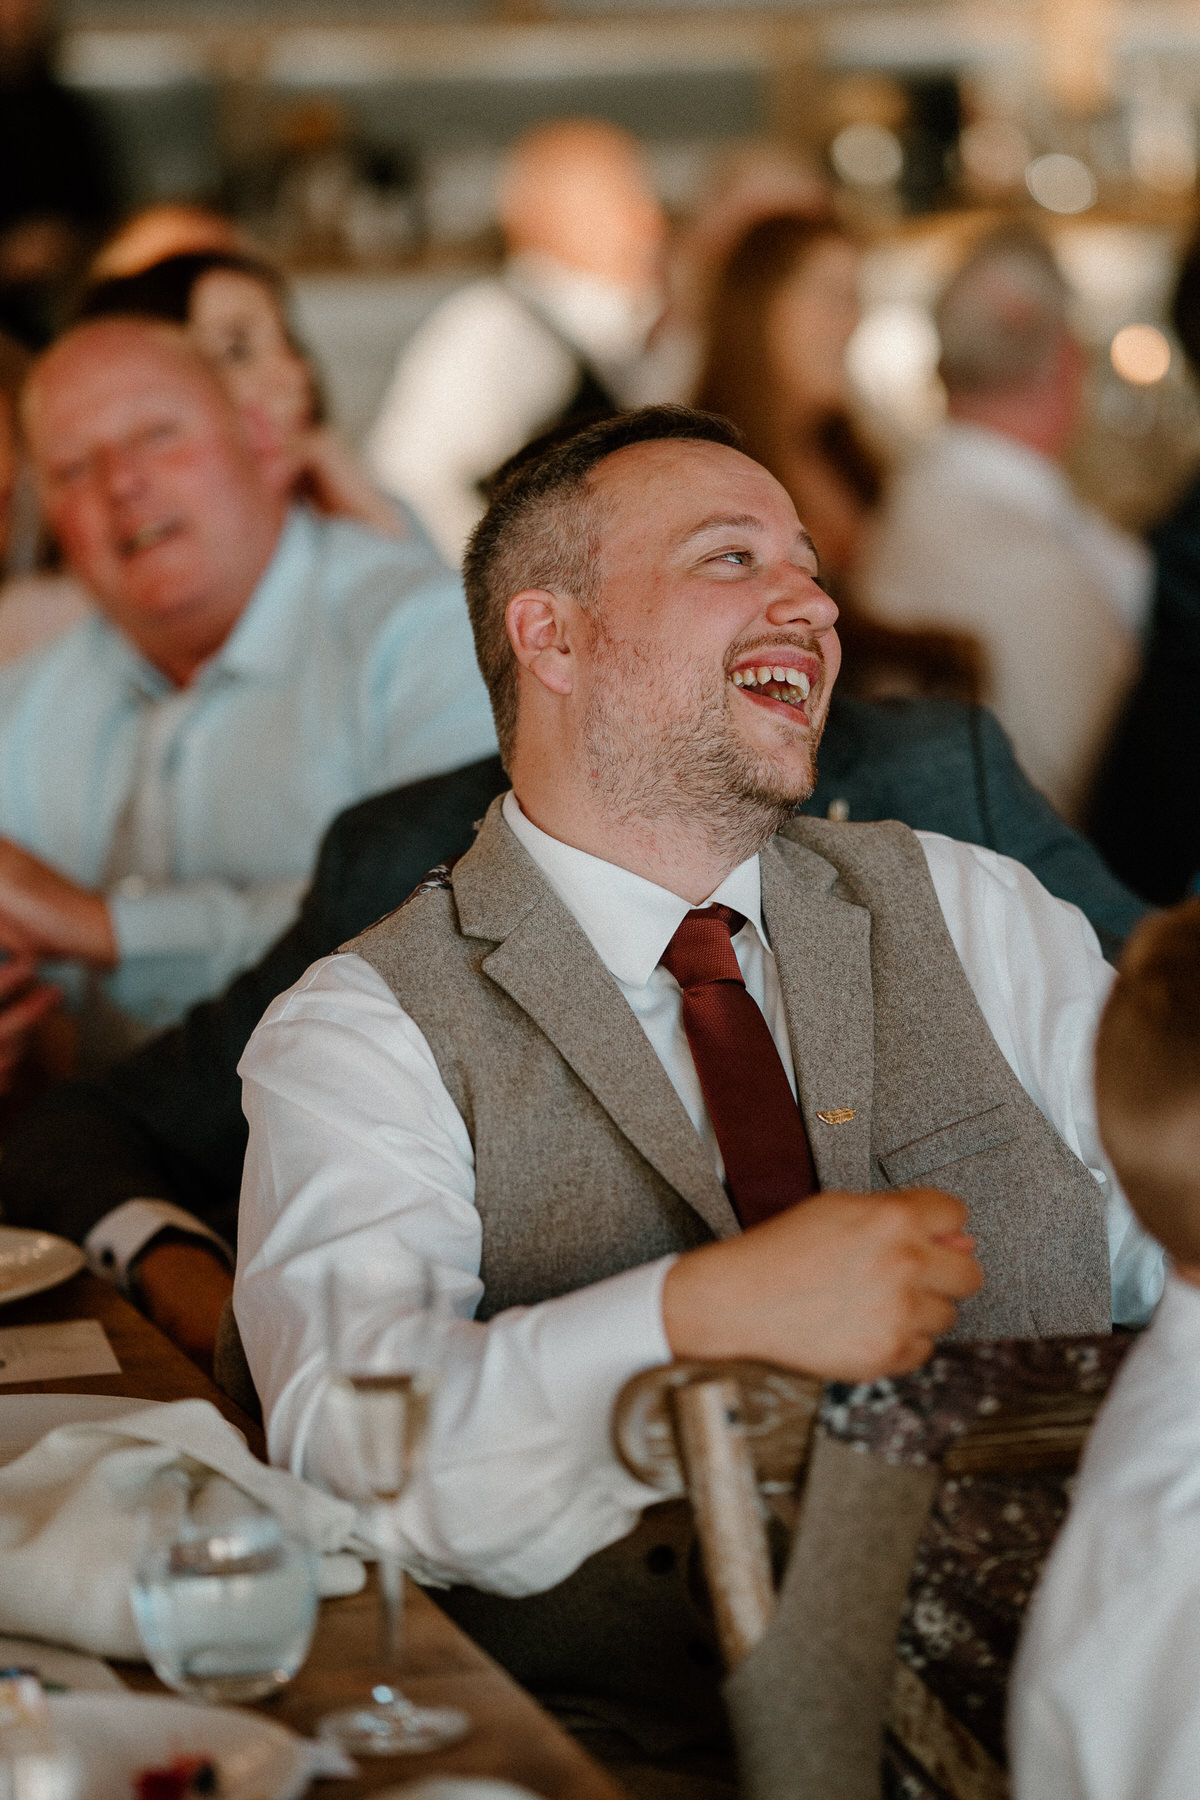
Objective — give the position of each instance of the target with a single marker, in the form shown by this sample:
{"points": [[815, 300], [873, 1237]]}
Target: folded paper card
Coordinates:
{"points": [[73, 1348]]}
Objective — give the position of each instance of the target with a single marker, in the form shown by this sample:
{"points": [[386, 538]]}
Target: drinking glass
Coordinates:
{"points": [[382, 1383], [32, 1765], [225, 1601]]}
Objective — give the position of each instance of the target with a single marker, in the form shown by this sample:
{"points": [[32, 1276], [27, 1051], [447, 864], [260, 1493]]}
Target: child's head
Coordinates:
{"points": [[1148, 1079]]}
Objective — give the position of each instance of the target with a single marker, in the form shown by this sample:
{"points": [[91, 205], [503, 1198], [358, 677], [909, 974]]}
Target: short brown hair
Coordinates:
{"points": [[1148, 1077], [542, 529]]}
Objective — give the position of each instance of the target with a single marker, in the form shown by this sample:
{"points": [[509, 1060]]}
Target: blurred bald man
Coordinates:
{"points": [[167, 767], [555, 337], [982, 532]]}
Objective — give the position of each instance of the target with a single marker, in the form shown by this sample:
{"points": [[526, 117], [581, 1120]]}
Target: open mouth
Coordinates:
{"points": [[148, 536], [783, 682]]}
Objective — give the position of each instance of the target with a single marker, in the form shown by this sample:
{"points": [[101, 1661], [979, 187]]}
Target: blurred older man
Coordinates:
{"points": [[982, 532], [167, 768]]}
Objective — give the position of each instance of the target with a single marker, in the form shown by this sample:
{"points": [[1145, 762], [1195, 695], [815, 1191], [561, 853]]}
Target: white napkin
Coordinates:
{"points": [[69, 1531]]}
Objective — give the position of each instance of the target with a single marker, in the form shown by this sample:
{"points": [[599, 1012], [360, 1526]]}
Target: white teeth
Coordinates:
{"points": [[797, 683]]}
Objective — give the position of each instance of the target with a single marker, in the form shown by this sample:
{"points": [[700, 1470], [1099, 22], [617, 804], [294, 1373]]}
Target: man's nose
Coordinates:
{"points": [[803, 602], [120, 470]]}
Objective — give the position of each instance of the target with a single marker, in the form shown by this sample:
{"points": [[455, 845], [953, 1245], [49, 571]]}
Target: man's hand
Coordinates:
{"points": [[24, 1002], [183, 1288], [43, 913], [331, 477], [846, 1286]]}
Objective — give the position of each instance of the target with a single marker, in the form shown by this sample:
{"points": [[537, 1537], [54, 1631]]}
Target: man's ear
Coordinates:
{"points": [[538, 622]]}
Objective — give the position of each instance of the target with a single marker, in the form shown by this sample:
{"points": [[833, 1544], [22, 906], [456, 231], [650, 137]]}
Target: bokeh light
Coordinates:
{"points": [[1140, 354], [867, 156], [1062, 184], [892, 363]]}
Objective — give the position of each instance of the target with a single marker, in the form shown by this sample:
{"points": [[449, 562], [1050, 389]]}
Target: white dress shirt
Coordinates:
{"points": [[358, 1153], [483, 375], [981, 534], [1105, 1698]]}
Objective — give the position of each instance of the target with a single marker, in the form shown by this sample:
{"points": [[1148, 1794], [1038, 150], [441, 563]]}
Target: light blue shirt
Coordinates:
{"points": [[351, 670]]}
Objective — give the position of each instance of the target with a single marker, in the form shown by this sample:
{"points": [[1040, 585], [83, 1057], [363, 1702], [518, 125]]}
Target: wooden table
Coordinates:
{"points": [[512, 1739]]}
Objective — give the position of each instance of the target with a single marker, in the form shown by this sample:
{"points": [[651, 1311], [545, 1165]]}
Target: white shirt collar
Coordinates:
{"points": [[1008, 469], [628, 920], [608, 321]]}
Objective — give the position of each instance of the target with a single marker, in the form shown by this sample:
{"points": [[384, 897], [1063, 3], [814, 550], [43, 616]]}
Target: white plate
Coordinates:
{"points": [[26, 1418], [61, 1669], [116, 1736], [33, 1260]]}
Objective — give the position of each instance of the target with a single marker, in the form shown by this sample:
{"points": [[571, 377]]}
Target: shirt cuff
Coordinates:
{"points": [[590, 1343], [113, 1243]]}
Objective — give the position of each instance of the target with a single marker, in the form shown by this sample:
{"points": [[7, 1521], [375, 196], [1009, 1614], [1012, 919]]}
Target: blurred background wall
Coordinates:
{"points": [[361, 142]]}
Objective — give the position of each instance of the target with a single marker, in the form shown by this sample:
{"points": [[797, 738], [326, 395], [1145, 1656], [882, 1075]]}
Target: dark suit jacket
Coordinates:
{"points": [[1146, 806], [167, 1123]]}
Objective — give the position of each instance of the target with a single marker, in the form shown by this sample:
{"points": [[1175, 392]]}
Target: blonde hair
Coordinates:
{"points": [[1148, 1078]]}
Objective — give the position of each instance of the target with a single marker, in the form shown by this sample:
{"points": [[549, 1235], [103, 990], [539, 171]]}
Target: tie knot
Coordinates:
{"points": [[702, 948]]}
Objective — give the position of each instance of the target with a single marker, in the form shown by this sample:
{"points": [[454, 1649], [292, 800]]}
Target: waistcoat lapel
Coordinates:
{"points": [[822, 949], [545, 963]]}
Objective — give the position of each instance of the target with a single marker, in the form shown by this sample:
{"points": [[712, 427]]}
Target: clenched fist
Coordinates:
{"points": [[845, 1286]]}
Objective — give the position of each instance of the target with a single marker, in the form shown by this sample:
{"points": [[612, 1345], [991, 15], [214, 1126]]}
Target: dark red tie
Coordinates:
{"points": [[768, 1161]]}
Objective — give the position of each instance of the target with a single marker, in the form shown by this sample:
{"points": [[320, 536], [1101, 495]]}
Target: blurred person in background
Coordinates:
{"points": [[37, 600], [56, 184], [982, 532], [234, 307], [755, 180], [555, 336], [781, 314], [1146, 811], [168, 766], [167, 228]]}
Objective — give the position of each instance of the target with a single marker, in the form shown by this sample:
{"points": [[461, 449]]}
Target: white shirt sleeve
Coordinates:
{"points": [[358, 1153], [1037, 972]]}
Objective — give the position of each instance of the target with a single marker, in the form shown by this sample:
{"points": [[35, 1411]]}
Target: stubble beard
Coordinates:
{"points": [[675, 768]]}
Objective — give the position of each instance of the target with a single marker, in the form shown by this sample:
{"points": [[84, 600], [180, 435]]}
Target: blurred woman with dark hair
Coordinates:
{"points": [[782, 314], [236, 309]]}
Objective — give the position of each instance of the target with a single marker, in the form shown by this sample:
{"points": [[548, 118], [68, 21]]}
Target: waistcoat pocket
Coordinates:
{"points": [[985, 1130]]}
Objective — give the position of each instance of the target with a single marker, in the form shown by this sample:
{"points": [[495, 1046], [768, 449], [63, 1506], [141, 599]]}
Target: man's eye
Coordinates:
{"points": [[742, 558]]}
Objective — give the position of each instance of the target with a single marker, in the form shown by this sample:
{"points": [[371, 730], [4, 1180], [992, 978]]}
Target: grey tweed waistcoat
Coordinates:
{"points": [[586, 1163]]}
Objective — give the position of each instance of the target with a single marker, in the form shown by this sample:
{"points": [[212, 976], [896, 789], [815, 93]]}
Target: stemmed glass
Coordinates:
{"points": [[382, 1382]]}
